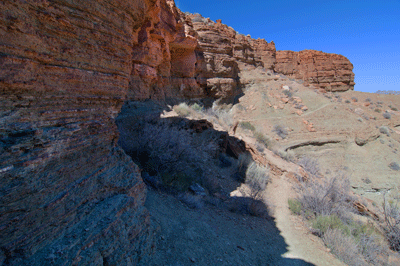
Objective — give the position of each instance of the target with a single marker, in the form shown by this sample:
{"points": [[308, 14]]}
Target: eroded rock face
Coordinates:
{"points": [[331, 72], [188, 56], [223, 53], [68, 193]]}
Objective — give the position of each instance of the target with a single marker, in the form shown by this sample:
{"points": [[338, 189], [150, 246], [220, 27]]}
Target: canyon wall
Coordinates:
{"points": [[330, 72], [68, 194], [188, 56]]}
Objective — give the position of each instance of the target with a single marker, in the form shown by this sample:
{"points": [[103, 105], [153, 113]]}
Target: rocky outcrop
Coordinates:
{"points": [[223, 53], [188, 56], [68, 193], [331, 72]]}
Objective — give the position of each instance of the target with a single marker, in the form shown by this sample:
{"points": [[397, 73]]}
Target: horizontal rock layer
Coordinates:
{"points": [[188, 56], [331, 72], [68, 193]]}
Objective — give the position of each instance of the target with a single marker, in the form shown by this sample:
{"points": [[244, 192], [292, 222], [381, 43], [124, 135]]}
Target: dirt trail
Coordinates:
{"points": [[301, 243], [213, 236]]}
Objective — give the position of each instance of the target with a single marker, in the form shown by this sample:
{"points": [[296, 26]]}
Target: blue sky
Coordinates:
{"points": [[366, 32]]}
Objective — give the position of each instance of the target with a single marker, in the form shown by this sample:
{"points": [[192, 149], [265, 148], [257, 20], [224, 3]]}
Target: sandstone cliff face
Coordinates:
{"points": [[223, 53], [188, 56], [331, 72], [68, 193]]}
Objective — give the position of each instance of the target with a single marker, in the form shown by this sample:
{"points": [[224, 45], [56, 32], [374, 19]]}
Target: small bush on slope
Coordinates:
{"points": [[392, 224], [182, 109], [177, 155], [327, 203], [310, 165], [387, 115], [343, 247], [394, 166], [280, 131], [384, 130], [247, 125], [257, 177], [294, 206], [260, 137], [325, 197]]}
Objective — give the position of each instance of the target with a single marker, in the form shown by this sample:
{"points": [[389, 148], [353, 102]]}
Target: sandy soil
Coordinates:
{"points": [[214, 236]]}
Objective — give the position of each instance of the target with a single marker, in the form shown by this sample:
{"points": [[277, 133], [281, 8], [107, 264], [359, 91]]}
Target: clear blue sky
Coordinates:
{"points": [[366, 32]]}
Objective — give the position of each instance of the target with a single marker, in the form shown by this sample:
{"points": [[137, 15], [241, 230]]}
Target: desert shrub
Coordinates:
{"points": [[393, 108], [260, 137], [176, 154], [280, 131], [310, 165], [288, 93], [378, 110], [347, 101], [361, 240], [224, 115], [368, 100], [288, 155], [294, 206], [343, 247], [322, 223], [257, 177], [373, 249], [247, 125], [182, 109], [326, 196], [260, 147], [384, 130], [197, 18], [394, 166], [198, 108], [220, 114], [354, 99], [387, 115], [392, 224], [366, 117], [243, 162]]}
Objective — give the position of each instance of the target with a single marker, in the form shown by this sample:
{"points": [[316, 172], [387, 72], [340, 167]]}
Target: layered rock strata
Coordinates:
{"points": [[68, 193], [330, 72], [185, 55]]}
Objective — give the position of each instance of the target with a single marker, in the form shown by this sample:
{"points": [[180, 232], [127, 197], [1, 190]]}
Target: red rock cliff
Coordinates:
{"points": [[331, 72], [188, 56], [68, 193]]}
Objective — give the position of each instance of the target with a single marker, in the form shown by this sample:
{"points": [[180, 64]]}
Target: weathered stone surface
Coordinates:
{"points": [[68, 193], [222, 53], [331, 72]]}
